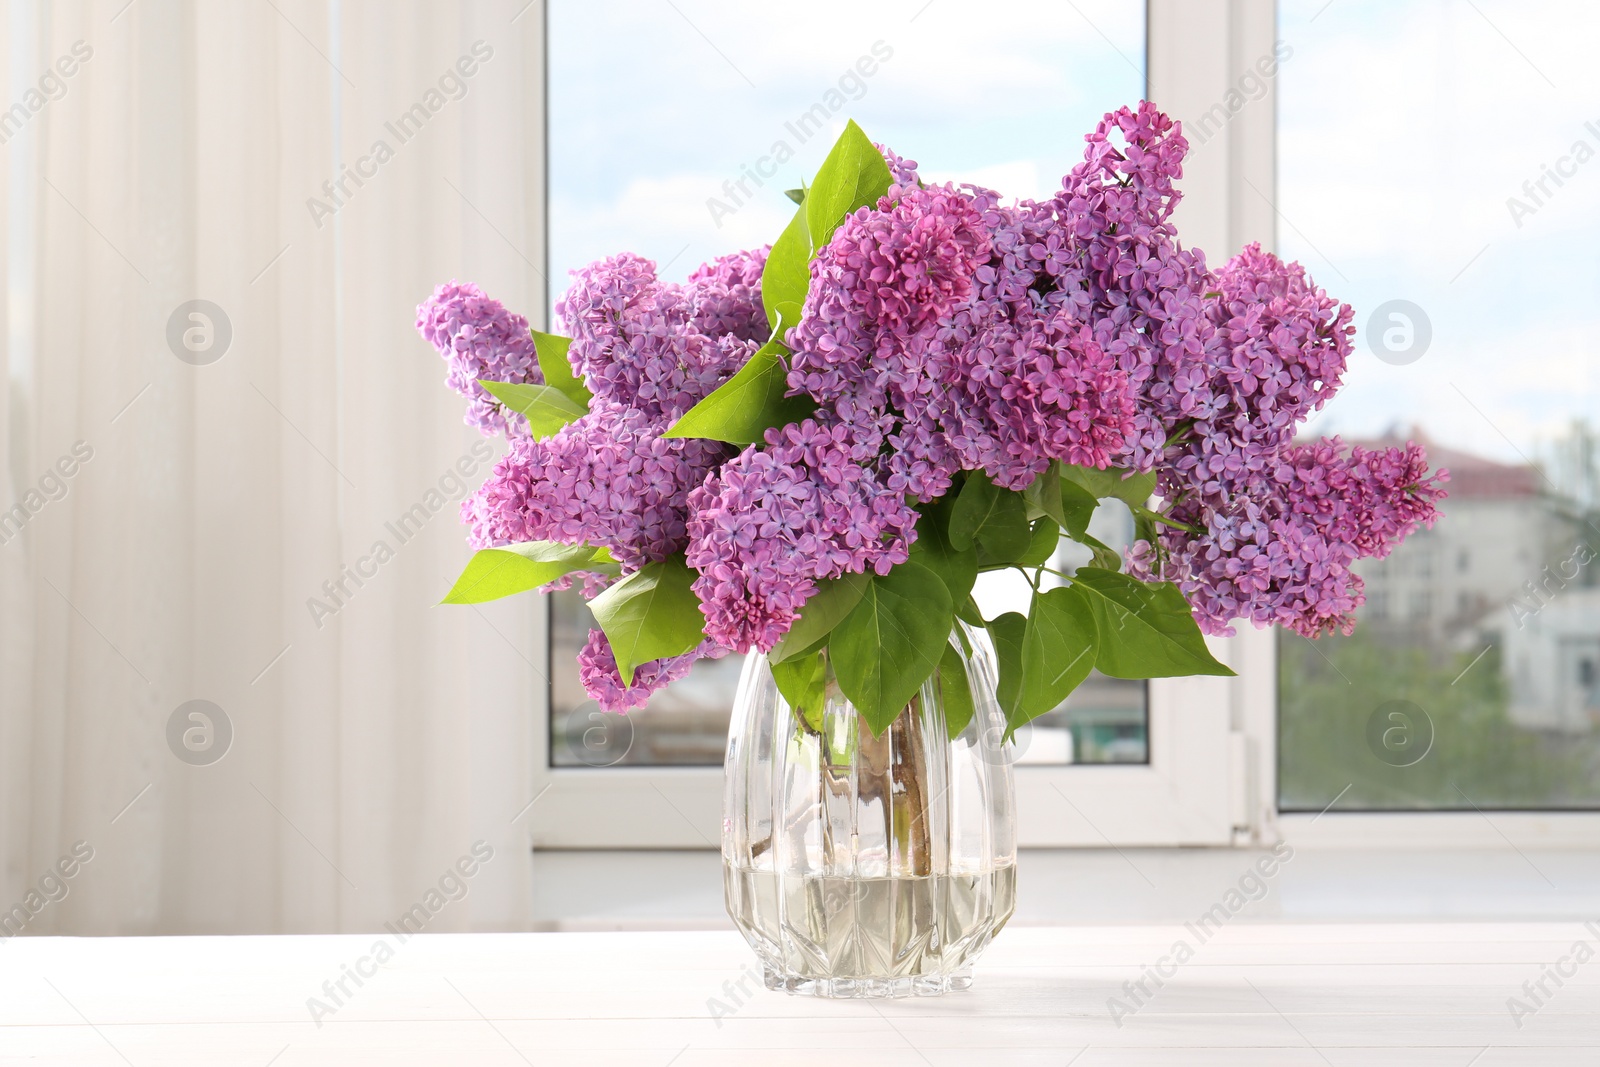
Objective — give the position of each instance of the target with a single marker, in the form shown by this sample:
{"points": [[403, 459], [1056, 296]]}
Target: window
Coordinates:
{"points": [[656, 112], [1449, 190], [632, 167], [1470, 681]]}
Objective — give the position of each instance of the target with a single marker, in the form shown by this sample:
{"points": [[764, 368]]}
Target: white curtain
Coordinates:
{"points": [[377, 737]]}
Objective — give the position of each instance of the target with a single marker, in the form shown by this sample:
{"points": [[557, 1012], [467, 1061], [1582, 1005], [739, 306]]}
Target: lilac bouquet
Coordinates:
{"points": [[813, 449]]}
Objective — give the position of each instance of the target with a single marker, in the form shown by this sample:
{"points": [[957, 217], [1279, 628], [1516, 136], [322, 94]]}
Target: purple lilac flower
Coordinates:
{"points": [[1022, 393], [1279, 525], [1280, 548], [726, 294], [902, 171], [963, 332], [635, 343], [609, 477], [775, 521], [479, 339], [598, 673], [884, 277], [946, 331], [1122, 264]]}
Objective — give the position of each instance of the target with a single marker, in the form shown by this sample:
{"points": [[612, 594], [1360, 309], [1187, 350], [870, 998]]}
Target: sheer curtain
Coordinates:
{"points": [[263, 526]]}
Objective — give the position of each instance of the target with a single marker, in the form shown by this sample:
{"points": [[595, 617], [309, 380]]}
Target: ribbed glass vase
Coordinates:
{"points": [[862, 866]]}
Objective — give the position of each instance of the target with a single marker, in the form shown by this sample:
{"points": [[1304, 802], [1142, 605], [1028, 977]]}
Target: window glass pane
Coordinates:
{"points": [[1103, 720], [1447, 184], [666, 121]]}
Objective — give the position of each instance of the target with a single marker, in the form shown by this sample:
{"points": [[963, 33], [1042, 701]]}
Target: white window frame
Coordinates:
{"points": [[1212, 774], [1197, 50]]}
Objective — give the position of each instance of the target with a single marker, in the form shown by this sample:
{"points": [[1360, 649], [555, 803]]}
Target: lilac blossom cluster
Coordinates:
{"points": [[598, 674], [647, 351], [480, 341], [944, 332], [964, 334], [1274, 528], [777, 520]]}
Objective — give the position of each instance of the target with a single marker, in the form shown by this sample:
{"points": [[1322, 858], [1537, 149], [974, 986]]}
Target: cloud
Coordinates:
{"points": [[665, 219], [651, 110], [1013, 179], [1393, 177]]}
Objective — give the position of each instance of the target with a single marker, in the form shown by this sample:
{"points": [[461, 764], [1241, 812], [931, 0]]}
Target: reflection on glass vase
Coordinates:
{"points": [[862, 866]]}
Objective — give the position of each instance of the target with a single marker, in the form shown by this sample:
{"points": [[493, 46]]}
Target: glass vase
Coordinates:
{"points": [[863, 866]]}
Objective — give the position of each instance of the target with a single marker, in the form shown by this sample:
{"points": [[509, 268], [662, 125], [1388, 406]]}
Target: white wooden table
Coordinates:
{"points": [[1269, 994]]}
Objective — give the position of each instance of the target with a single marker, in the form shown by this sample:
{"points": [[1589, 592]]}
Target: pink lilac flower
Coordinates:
{"points": [[480, 340], [608, 478], [883, 277], [598, 673], [1386, 494], [775, 521], [1279, 526], [1024, 392], [1280, 548], [590, 583], [946, 331], [634, 339], [726, 296]]}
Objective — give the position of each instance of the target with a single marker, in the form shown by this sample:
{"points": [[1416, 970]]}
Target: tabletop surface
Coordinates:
{"points": [[1453, 995]]}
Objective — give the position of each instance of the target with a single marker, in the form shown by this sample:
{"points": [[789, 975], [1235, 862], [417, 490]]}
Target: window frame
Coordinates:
{"points": [[1212, 776]]}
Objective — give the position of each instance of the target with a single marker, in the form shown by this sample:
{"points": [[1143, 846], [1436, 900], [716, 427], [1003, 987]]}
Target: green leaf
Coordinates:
{"points": [[972, 506], [853, 176], [1058, 651], [995, 518], [546, 408], [797, 195], [788, 313], [651, 614], [1042, 545], [955, 691], [1067, 502], [1113, 482], [891, 642], [746, 406], [803, 683], [1077, 507], [1007, 631], [834, 599], [787, 274], [967, 611], [557, 368], [492, 573], [1105, 557], [1141, 513], [1005, 536], [957, 568], [1043, 494], [1146, 628]]}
